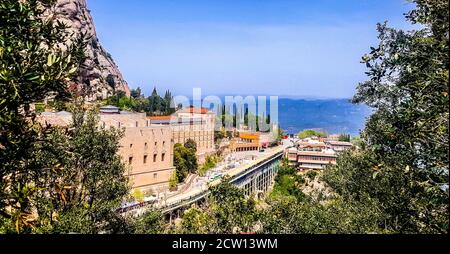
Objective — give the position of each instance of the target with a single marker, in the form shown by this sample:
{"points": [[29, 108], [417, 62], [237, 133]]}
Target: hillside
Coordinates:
{"points": [[100, 71]]}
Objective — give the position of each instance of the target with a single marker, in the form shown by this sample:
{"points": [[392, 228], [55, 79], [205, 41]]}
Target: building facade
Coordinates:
{"points": [[247, 141], [311, 154], [310, 160], [338, 146], [192, 123], [146, 149]]}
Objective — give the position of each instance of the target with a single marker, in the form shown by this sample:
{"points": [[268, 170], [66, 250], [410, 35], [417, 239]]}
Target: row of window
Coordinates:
{"points": [[185, 134], [146, 144], [155, 157], [207, 144], [316, 158], [120, 125]]}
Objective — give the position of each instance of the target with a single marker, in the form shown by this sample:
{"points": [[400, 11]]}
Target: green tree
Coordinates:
{"points": [[344, 137], [210, 162], [155, 103], [136, 93], [185, 161], [37, 59], [191, 144], [403, 163], [91, 182], [116, 98], [173, 181], [233, 211], [138, 195], [197, 221], [168, 109], [288, 183], [311, 133], [227, 211], [336, 216], [179, 162], [151, 222]]}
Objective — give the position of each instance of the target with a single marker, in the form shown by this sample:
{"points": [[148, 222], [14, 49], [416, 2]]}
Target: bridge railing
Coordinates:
{"points": [[240, 171], [235, 174], [184, 201]]}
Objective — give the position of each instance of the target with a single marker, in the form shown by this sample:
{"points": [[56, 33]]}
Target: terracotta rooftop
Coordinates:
{"points": [[161, 117]]}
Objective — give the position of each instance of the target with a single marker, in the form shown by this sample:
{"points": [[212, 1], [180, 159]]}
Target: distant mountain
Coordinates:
{"points": [[331, 115]]}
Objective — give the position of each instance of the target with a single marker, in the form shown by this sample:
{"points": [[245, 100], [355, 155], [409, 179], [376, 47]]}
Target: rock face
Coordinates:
{"points": [[101, 73]]}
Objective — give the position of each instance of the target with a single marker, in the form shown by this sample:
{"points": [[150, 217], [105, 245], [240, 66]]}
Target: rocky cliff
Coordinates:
{"points": [[101, 73]]}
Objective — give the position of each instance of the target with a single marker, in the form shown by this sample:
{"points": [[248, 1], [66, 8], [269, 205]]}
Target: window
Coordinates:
{"points": [[154, 157], [164, 143], [145, 159], [162, 156], [155, 175], [156, 143], [145, 145], [131, 145], [137, 124], [130, 160]]}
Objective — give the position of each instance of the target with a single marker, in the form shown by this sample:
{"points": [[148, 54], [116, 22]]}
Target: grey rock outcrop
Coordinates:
{"points": [[100, 73]]}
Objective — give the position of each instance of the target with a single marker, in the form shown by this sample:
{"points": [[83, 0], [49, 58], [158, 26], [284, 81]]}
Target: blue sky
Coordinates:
{"points": [[269, 47]]}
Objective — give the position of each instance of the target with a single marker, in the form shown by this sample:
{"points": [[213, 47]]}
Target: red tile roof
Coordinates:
{"points": [[161, 117]]}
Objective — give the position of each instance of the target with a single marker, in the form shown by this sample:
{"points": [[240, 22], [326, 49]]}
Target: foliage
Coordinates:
{"points": [[252, 121], [136, 93], [190, 144], [40, 107], [79, 180], [227, 211], [92, 177], [196, 221], [311, 174], [173, 181], [311, 133], [345, 137], [290, 216], [288, 183], [38, 57], [185, 161], [138, 195], [403, 163], [219, 135], [152, 105], [356, 141], [151, 222], [210, 162], [280, 134]]}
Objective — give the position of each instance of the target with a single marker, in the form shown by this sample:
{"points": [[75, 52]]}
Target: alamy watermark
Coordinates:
{"points": [[251, 112]]}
